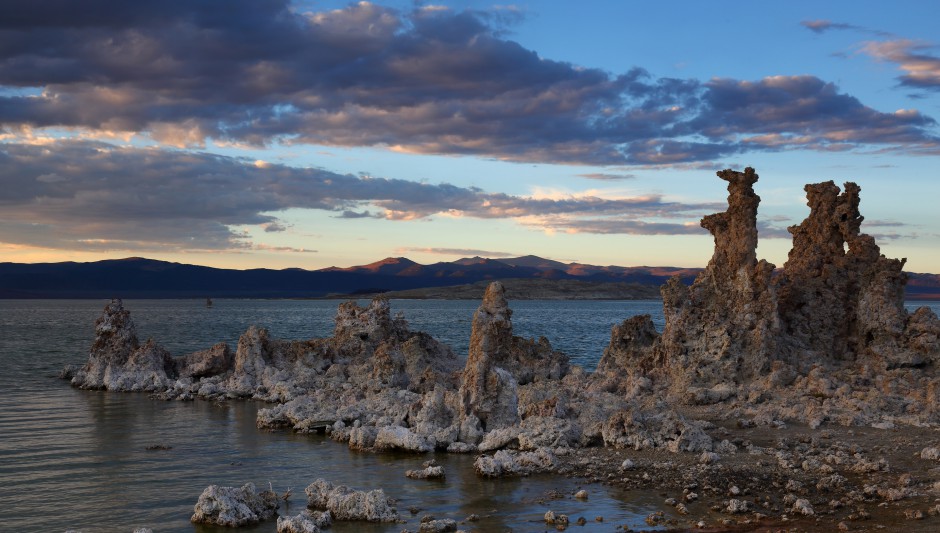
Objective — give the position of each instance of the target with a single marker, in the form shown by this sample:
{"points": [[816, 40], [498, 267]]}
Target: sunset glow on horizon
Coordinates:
{"points": [[276, 134]]}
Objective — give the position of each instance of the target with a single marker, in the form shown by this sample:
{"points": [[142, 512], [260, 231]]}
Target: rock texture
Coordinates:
{"points": [[118, 362], [488, 391], [234, 506], [723, 329], [824, 340], [830, 324], [306, 522], [344, 503]]}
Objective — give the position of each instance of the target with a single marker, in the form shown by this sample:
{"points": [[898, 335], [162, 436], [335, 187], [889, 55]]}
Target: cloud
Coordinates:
{"points": [[287, 249], [274, 227], [607, 177], [92, 195], [822, 26], [463, 252], [422, 81], [618, 225], [921, 69]]}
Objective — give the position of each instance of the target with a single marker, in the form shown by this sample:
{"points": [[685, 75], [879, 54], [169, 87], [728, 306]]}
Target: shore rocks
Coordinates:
{"points": [[344, 503], [430, 471], [234, 506], [399, 438], [504, 462], [830, 324], [825, 340], [306, 522]]}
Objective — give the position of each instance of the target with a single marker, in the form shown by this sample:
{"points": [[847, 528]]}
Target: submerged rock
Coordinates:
{"points": [[234, 506]]}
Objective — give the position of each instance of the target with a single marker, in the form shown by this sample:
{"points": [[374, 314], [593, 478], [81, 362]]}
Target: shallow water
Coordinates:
{"points": [[78, 459]]}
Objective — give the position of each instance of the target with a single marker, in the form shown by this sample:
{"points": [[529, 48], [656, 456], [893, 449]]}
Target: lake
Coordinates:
{"points": [[79, 459]]}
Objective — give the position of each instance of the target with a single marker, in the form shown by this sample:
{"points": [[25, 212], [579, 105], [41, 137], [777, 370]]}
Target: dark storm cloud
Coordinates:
{"points": [[427, 81], [91, 195]]}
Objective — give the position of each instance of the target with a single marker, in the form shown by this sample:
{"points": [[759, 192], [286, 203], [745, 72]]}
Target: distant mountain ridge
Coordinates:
{"points": [[137, 277]]}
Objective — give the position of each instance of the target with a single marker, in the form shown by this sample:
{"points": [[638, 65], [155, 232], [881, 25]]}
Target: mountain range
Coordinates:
{"points": [[137, 277]]}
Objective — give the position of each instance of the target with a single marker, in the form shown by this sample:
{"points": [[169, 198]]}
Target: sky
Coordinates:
{"points": [[308, 134]]}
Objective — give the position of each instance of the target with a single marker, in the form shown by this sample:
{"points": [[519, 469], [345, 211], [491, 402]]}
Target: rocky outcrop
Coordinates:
{"points": [[832, 320], [306, 522], [497, 364], [723, 329], [487, 391], [234, 506], [115, 341], [344, 503], [506, 463], [840, 298], [215, 361], [826, 339], [664, 430]]}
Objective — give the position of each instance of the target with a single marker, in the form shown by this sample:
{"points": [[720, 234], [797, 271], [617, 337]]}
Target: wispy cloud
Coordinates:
{"points": [[921, 68], [604, 176], [462, 252], [821, 26], [423, 81], [92, 195]]}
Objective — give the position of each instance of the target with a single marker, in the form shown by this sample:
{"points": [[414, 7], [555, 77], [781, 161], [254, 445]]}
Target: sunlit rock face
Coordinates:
{"points": [[723, 330], [836, 306], [839, 297]]}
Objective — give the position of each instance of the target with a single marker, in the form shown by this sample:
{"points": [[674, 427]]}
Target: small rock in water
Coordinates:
{"points": [[581, 494], [429, 472], [234, 506], [438, 526]]}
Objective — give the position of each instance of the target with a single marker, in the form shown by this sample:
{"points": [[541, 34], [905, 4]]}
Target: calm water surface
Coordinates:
{"points": [[79, 459]]}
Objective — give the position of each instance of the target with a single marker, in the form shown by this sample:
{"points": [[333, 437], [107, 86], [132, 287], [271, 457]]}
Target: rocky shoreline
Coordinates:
{"points": [[808, 400]]}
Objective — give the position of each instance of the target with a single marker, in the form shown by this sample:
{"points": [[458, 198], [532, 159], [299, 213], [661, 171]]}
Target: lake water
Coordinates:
{"points": [[78, 459]]}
